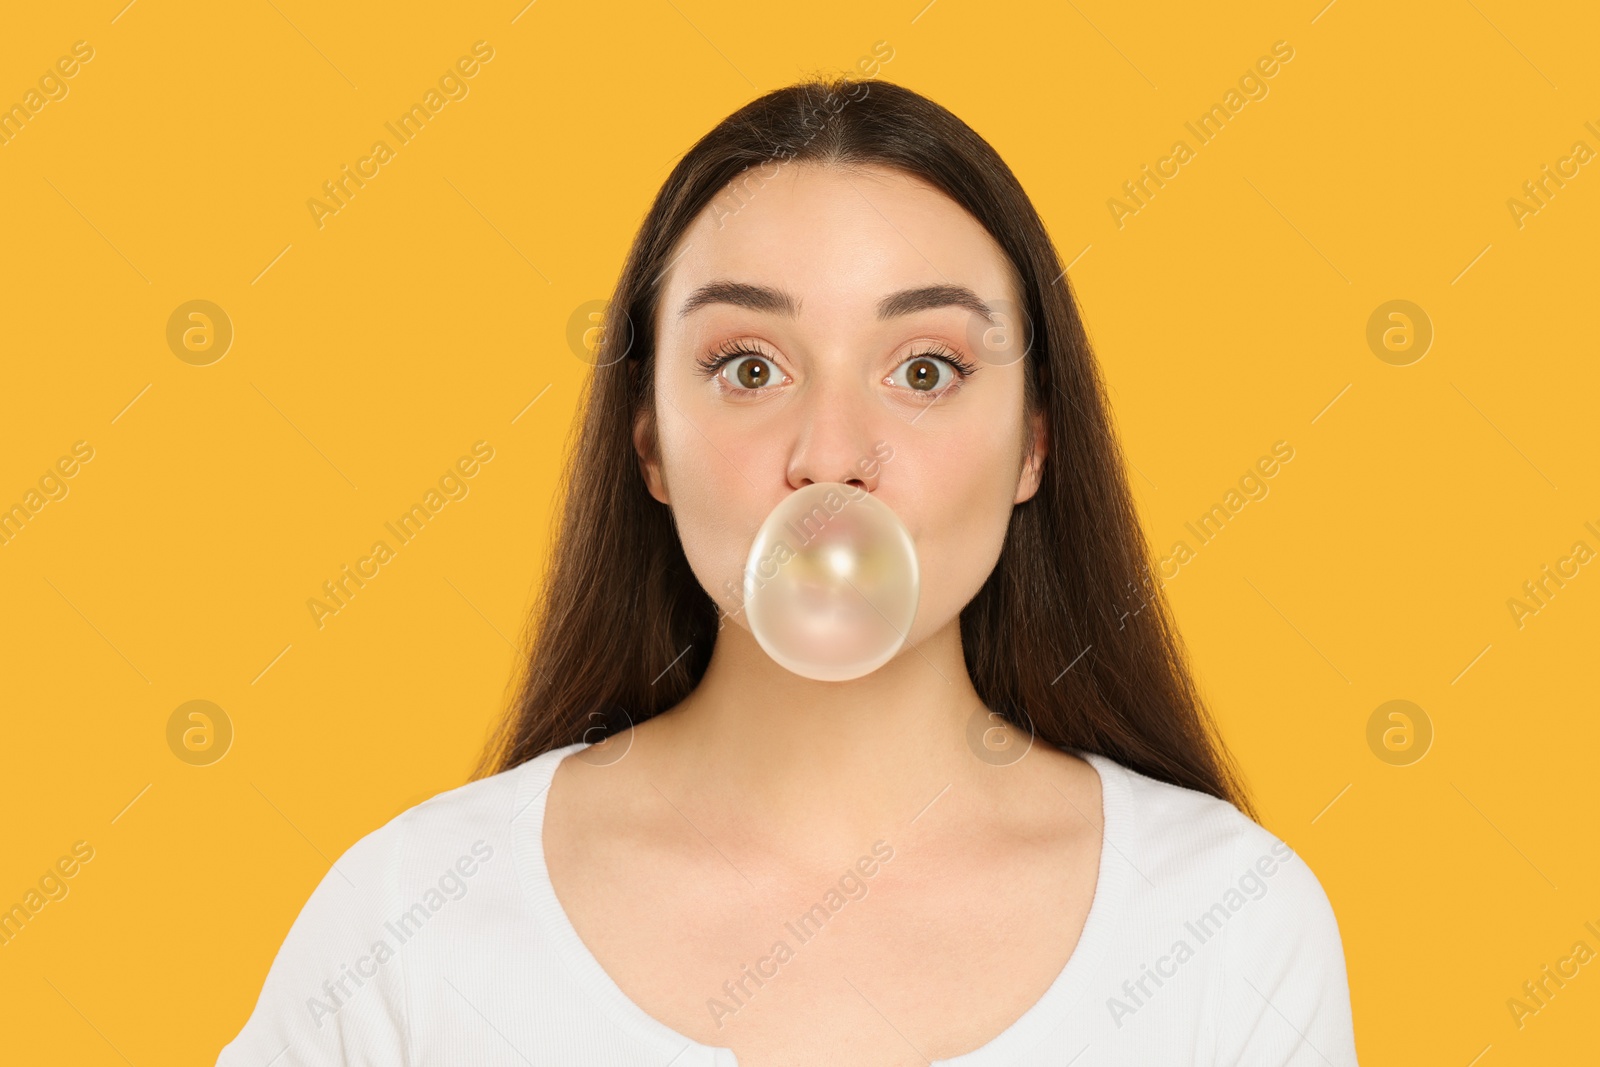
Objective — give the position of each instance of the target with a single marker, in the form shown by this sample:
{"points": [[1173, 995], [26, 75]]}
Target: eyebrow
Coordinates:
{"points": [[779, 302]]}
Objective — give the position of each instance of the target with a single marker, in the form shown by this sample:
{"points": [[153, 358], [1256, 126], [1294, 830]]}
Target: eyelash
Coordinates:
{"points": [[726, 353]]}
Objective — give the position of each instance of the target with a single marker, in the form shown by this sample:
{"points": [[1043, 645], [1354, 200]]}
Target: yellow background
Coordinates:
{"points": [[369, 354]]}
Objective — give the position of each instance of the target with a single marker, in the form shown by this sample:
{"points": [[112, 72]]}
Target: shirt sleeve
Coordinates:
{"points": [[1285, 997], [335, 993]]}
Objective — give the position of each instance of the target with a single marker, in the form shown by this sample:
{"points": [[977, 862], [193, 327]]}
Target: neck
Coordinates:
{"points": [[837, 764]]}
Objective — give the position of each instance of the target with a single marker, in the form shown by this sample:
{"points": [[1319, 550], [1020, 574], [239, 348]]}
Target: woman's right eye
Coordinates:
{"points": [[741, 371], [749, 372]]}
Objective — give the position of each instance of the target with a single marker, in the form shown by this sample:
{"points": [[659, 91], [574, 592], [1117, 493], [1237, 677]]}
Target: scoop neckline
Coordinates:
{"points": [[1023, 1035]]}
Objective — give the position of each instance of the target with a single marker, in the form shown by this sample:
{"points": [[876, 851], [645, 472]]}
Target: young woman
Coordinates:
{"points": [[1018, 842]]}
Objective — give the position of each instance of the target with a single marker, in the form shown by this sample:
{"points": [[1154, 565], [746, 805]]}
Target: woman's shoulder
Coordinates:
{"points": [[1200, 856], [460, 827], [438, 867], [486, 803], [484, 812], [1205, 871]]}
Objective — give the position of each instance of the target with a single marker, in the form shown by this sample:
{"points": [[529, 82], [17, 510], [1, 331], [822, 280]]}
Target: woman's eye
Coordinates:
{"points": [[748, 372], [924, 374]]}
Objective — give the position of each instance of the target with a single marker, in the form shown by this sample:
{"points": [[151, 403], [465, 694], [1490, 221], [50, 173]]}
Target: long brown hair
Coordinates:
{"points": [[1070, 637]]}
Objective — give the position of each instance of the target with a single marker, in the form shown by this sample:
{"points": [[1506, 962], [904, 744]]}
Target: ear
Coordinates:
{"points": [[1033, 459], [645, 446]]}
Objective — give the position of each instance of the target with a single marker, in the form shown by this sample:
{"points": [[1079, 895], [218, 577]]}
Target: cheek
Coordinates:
{"points": [[963, 510], [973, 512], [715, 510]]}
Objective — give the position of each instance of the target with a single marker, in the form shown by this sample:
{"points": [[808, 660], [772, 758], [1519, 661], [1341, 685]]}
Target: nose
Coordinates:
{"points": [[837, 439]]}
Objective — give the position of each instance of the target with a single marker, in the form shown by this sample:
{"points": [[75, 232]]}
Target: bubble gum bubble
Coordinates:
{"points": [[831, 583]]}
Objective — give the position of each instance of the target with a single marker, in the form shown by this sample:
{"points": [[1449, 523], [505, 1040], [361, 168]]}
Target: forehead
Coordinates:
{"points": [[837, 239]]}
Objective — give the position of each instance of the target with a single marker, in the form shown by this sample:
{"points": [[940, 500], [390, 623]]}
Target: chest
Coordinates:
{"points": [[928, 957]]}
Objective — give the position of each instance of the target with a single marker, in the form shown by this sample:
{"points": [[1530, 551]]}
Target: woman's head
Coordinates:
{"points": [[837, 324], [855, 249]]}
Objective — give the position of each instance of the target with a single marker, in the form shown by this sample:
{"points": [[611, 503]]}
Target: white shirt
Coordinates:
{"points": [[437, 939]]}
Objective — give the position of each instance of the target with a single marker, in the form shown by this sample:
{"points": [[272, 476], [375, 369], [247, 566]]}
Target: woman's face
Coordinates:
{"points": [[779, 364]]}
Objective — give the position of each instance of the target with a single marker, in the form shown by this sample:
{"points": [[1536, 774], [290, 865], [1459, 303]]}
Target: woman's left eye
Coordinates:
{"points": [[931, 373]]}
